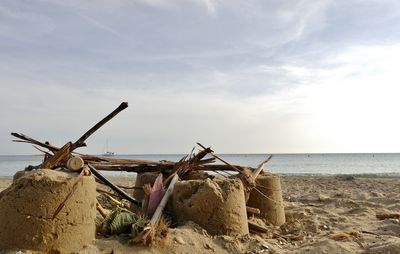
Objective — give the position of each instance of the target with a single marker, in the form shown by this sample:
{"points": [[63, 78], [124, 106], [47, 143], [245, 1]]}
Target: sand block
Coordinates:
{"points": [[27, 207], [270, 202], [216, 205]]}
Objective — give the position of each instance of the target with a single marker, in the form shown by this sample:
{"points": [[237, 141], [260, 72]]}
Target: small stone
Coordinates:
{"points": [[179, 240]]}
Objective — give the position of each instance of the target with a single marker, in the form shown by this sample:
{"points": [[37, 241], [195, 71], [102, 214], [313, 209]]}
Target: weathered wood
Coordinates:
{"points": [[247, 180], [58, 157], [92, 130], [103, 212], [260, 168], [252, 210], [26, 139], [219, 158], [158, 168], [75, 163], [112, 186], [64, 153], [254, 227]]}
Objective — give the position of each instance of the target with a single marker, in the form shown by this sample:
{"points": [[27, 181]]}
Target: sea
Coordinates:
{"points": [[363, 164]]}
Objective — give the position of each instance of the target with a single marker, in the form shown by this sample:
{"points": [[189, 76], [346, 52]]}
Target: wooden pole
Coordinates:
{"points": [[113, 186]]}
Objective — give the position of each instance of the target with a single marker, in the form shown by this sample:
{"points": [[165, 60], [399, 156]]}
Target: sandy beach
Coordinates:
{"points": [[324, 215]]}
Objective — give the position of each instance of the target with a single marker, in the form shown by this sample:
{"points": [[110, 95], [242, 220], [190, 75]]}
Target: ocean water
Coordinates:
{"points": [[287, 164]]}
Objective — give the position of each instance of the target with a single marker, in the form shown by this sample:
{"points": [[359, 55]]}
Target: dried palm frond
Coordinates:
{"points": [[158, 235]]}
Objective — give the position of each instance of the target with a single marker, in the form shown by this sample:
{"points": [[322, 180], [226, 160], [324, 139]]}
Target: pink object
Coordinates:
{"points": [[157, 193]]}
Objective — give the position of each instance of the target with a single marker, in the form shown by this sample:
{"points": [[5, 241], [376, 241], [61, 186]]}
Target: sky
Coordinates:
{"points": [[254, 76]]}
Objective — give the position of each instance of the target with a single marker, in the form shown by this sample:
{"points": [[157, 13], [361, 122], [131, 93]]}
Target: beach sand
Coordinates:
{"points": [[324, 215]]}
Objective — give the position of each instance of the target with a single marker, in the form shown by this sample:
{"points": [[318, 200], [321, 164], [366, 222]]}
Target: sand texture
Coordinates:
{"points": [[323, 215]]}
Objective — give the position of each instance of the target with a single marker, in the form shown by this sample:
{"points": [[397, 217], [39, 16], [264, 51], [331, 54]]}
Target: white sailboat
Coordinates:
{"points": [[107, 152]]}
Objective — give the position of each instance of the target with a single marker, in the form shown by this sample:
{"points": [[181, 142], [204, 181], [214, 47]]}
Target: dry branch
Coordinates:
{"points": [[260, 168], [113, 186], [65, 152]]}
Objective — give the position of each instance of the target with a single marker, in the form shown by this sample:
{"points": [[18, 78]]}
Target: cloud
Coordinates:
{"points": [[241, 75]]}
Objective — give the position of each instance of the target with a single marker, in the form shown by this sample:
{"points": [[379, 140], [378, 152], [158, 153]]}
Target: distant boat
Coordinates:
{"points": [[108, 153]]}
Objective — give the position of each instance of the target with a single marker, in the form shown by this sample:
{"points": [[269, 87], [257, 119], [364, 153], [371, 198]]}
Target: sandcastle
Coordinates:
{"points": [[49, 209], [27, 208]]}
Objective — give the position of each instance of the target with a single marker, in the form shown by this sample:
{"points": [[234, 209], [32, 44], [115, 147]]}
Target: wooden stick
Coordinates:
{"points": [[92, 130], [58, 157], [218, 158], [258, 228], [260, 168], [30, 140], [113, 186], [247, 180], [103, 212], [252, 210], [113, 200], [65, 151]]}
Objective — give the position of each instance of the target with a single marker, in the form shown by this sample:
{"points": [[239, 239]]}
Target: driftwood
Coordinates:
{"points": [[260, 168], [252, 210], [25, 139], [65, 152], [112, 186], [138, 166], [103, 212], [257, 228], [248, 181]]}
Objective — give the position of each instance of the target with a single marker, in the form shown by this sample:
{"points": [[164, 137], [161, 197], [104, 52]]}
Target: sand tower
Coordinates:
{"points": [[28, 205], [216, 205], [269, 201]]}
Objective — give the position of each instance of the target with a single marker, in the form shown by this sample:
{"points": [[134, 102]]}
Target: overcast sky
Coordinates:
{"points": [[241, 76]]}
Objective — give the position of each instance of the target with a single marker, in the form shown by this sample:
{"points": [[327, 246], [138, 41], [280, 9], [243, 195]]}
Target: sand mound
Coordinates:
{"points": [[216, 205], [28, 205]]}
